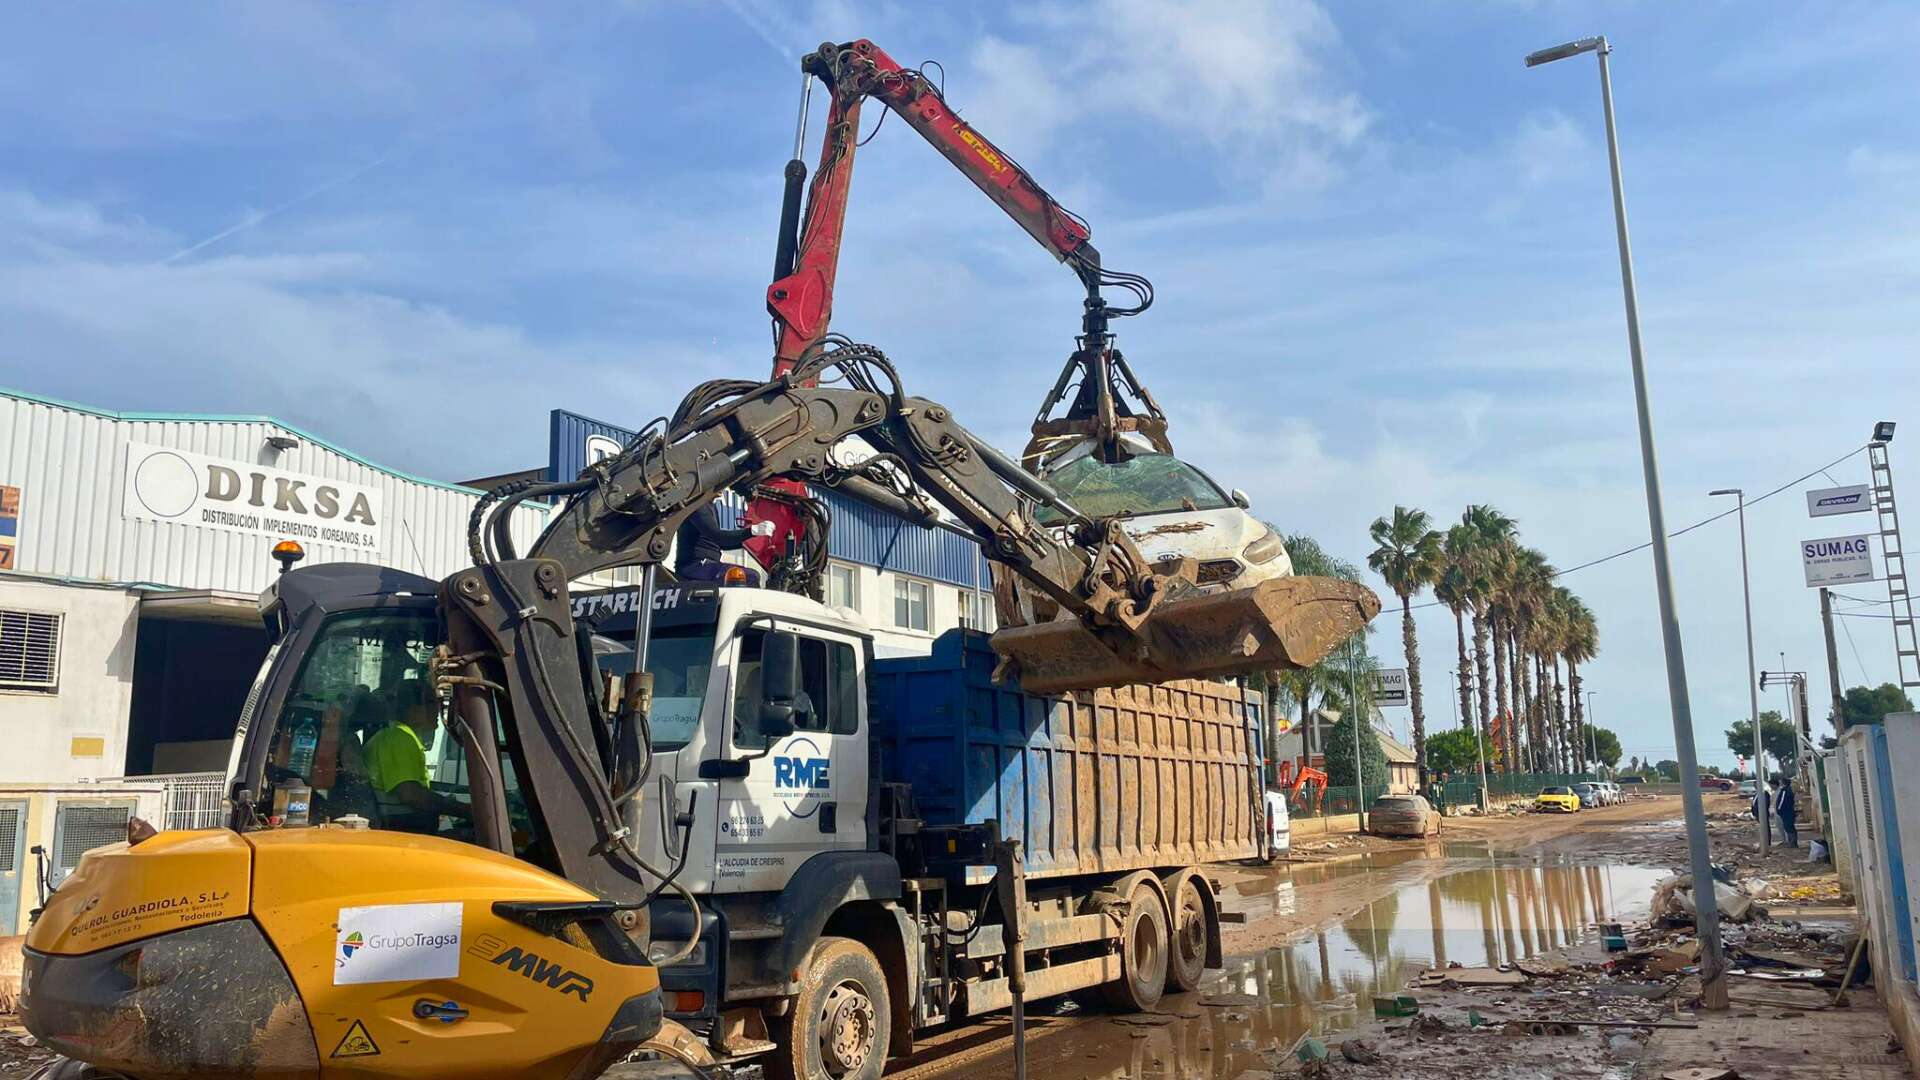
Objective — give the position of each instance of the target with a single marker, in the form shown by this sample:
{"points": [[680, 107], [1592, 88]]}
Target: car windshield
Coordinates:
{"points": [[1555, 791], [1142, 484]]}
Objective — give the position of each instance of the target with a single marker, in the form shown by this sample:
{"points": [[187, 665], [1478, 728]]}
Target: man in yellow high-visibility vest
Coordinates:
{"points": [[397, 767]]}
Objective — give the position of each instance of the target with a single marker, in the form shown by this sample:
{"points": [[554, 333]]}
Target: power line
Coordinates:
{"points": [[1698, 524], [1856, 653]]}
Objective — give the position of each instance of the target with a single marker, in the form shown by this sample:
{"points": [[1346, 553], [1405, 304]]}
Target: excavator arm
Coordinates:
{"points": [[510, 634]]}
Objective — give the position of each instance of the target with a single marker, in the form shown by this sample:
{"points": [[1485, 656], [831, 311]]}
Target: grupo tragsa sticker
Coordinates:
{"points": [[397, 943]]}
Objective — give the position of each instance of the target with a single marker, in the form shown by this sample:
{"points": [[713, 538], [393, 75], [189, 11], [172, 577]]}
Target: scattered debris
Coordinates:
{"points": [[1465, 976], [1396, 1005], [1358, 1052], [1700, 1074]]}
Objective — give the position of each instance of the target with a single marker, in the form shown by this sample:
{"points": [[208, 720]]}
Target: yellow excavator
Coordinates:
{"points": [[342, 928]]}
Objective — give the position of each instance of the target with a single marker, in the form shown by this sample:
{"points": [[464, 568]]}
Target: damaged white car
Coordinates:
{"points": [[1172, 510]]}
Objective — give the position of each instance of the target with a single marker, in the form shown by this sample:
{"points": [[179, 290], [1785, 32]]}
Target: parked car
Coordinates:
{"points": [[1614, 795], [1558, 800], [1402, 815], [1171, 510], [1715, 783], [1589, 794], [1279, 825]]}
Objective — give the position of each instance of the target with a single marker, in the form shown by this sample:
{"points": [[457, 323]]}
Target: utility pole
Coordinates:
{"points": [[1713, 961], [1359, 717], [1833, 661], [1765, 824]]}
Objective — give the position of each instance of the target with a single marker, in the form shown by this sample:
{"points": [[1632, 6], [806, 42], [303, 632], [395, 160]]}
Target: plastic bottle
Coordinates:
{"points": [[306, 740]]}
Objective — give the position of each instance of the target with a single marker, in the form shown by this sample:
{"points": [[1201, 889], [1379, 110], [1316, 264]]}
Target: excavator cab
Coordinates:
{"points": [[336, 928]]}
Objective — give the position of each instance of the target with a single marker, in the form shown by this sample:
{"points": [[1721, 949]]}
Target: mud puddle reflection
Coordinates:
{"points": [[1485, 912]]}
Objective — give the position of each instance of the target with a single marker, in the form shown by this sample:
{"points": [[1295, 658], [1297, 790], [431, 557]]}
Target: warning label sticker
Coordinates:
{"points": [[356, 1043]]}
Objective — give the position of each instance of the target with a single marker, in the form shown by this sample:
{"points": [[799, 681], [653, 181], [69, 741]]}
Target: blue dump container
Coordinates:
{"points": [[1151, 776]]}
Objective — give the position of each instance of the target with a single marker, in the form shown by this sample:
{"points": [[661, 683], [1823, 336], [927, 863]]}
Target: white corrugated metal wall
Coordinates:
{"points": [[70, 462]]}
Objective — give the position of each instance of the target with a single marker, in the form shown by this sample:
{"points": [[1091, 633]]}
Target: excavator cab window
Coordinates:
{"points": [[361, 732]]}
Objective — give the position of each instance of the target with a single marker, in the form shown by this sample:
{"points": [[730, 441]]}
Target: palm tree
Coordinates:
{"points": [[1581, 644], [1408, 555], [1501, 564], [1527, 589], [1454, 589], [1491, 531]]}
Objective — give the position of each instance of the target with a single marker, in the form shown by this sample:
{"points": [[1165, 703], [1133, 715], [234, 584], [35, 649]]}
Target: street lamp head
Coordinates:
{"points": [[1724, 491], [1561, 52], [1883, 432]]}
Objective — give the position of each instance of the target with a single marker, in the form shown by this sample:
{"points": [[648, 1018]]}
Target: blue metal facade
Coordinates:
{"points": [[860, 534]]}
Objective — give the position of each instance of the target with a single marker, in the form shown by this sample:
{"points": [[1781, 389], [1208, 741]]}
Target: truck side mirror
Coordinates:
{"points": [[779, 683], [1240, 499]]}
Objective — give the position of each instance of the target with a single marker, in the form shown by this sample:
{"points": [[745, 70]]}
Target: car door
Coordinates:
{"points": [[804, 792]]}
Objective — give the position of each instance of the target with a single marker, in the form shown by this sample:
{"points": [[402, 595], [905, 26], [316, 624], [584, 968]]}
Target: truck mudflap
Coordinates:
{"points": [[210, 1002], [1280, 624]]}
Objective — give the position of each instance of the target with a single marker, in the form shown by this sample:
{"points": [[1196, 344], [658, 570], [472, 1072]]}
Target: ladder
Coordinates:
{"points": [[1893, 559]]}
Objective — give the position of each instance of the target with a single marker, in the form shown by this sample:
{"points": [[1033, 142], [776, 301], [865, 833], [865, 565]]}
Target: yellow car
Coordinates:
{"points": [[1560, 800]]}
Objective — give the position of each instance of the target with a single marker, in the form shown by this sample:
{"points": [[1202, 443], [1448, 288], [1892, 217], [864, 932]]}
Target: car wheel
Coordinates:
{"points": [[840, 1024]]}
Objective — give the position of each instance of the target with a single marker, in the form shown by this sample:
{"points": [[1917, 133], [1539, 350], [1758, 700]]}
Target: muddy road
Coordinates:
{"points": [[1319, 939]]}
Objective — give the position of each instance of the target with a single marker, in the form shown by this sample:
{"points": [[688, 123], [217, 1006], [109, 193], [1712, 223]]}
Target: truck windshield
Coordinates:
{"points": [[681, 659], [1142, 484]]}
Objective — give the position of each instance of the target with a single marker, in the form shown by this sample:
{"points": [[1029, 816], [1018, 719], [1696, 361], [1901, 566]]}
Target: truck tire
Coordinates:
{"points": [[1187, 952], [1143, 953], [840, 1024]]}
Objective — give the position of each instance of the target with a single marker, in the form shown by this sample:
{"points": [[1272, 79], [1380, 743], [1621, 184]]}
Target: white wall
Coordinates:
{"points": [[876, 606], [95, 691]]}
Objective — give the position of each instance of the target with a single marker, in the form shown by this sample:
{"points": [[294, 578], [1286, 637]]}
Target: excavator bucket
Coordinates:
{"points": [[1289, 622]]}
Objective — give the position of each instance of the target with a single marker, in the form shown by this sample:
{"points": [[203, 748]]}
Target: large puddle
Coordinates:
{"points": [[1480, 910]]}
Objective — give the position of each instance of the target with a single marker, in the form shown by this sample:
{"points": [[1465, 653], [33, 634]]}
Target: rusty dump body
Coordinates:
{"points": [[1283, 623]]}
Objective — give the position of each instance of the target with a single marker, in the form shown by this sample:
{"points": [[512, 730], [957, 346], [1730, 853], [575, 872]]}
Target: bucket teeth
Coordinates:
{"points": [[1290, 622]]}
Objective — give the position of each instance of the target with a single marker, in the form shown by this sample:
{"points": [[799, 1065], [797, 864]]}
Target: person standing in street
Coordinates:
{"points": [[1783, 809]]}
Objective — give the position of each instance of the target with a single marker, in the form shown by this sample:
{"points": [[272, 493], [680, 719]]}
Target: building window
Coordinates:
{"points": [[843, 586], [29, 651], [910, 604], [976, 610]]}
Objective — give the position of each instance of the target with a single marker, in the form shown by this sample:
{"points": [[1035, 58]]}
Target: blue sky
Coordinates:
{"points": [[1384, 250]]}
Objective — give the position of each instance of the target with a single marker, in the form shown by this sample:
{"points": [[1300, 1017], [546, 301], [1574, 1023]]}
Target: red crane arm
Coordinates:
{"points": [[801, 299]]}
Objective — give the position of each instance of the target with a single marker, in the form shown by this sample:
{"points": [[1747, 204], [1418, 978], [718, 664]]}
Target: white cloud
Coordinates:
{"points": [[1250, 78], [1867, 160]]}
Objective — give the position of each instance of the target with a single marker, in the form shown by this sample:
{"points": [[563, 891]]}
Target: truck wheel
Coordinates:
{"points": [[1143, 953], [839, 1025], [1187, 958]]}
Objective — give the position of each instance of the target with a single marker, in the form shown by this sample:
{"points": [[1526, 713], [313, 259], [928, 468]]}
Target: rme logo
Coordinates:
{"points": [[531, 966], [804, 773]]}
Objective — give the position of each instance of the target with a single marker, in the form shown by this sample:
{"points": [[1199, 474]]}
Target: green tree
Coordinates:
{"points": [[1493, 534], [1608, 742], [1669, 771], [1301, 690], [1453, 752], [1777, 738], [1867, 706], [1407, 555], [1340, 754]]}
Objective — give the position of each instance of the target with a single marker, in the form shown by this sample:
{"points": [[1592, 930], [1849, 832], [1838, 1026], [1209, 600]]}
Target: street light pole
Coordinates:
{"points": [[1713, 965], [1593, 733], [1763, 826], [1359, 717]]}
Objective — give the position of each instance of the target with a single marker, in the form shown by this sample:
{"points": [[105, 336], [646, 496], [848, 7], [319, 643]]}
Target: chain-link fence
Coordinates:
{"points": [[1456, 793]]}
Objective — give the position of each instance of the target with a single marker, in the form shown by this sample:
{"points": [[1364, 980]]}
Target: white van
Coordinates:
{"points": [[1279, 827]]}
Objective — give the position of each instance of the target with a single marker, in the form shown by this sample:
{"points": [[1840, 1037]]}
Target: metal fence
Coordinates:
{"points": [[196, 800], [1457, 793]]}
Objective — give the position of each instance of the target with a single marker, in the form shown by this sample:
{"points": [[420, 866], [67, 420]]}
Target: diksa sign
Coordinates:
{"points": [[184, 488]]}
